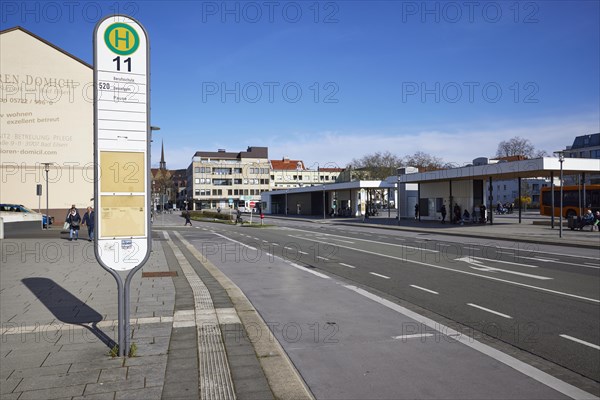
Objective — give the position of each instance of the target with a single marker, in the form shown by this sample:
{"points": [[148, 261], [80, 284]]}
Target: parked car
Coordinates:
{"points": [[22, 208]]}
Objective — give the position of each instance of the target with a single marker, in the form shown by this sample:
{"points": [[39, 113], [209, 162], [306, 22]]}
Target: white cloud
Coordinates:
{"points": [[456, 145]]}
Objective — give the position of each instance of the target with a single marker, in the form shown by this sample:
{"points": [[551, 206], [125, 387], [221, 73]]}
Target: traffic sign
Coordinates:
{"points": [[121, 143]]}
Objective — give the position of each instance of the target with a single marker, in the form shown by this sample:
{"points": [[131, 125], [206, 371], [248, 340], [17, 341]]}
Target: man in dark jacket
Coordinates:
{"points": [[88, 220]]}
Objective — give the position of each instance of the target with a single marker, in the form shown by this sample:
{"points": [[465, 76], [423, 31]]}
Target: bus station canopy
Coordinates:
{"points": [[538, 167]]}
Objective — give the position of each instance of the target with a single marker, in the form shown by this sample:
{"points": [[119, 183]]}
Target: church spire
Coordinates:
{"points": [[163, 164]]}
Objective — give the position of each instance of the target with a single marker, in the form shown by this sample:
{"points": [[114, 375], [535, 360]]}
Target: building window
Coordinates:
{"points": [[237, 170], [229, 192], [196, 170], [197, 180], [237, 181], [197, 193]]}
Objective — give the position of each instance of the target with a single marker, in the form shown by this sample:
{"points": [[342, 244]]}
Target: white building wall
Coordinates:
{"points": [[46, 116]]}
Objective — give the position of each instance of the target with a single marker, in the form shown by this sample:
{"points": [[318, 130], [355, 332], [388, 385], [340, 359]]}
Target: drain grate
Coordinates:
{"points": [[159, 274]]}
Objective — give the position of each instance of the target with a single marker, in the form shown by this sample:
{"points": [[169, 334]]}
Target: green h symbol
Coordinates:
{"points": [[117, 38]]}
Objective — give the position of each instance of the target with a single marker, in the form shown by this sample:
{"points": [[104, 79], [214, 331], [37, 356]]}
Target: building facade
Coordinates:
{"points": [[46, 119], [221, 179], [286, 173]]}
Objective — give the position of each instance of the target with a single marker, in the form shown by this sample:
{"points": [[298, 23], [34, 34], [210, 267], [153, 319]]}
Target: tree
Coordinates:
{"points": [[376, 166], [518, 146], [425, 162]]}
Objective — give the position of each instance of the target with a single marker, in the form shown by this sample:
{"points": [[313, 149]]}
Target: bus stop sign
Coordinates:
{"points": [[121, 143]]}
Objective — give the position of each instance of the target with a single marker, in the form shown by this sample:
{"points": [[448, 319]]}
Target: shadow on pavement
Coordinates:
{"points": [[66, 307]]}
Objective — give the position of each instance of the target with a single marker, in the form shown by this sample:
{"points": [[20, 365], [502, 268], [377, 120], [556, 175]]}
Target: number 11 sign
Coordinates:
{"points": [[121, 143]]}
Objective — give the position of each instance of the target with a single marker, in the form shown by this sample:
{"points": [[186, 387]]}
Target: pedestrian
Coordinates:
{"points": [[74, 219], [417, 211], [483, 216], [186, 214], [457, 216], [88, 220], [443, 211]]}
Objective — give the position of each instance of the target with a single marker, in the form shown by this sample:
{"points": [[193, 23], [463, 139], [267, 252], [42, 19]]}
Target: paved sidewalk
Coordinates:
{"points": [[58, 311]]}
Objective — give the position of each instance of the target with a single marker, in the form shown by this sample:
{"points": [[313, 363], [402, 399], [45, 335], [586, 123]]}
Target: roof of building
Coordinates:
{"points": [[583, 141], [537, 167], [287, 164], [19, 28], [251, 152]]}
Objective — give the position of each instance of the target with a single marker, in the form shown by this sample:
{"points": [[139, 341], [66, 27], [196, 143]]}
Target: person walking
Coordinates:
{"points": [[88, 220], [187, 218], [443, 211], [417, 211], [74, 220]]}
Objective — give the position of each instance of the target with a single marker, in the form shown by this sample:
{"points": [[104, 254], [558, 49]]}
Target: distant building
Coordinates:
{"points": [[585, 146], [224, 179], [286, 173]]}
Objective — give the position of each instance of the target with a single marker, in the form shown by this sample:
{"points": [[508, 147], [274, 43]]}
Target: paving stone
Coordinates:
{"points": [[261, 395], [54, 393], [9, 385], [59, 380], [154, 373], [96, 365], [41, 371], [113, 374], [97, 396], [242, 361], [27, 361], [181, 391], [11, 396], [134, 383], [71, 357], [160, 359], [149, 393], [251, 385]]}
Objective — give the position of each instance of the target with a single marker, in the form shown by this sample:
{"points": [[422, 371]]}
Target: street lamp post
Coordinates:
{"points": [[561, 159], [47, 169]]}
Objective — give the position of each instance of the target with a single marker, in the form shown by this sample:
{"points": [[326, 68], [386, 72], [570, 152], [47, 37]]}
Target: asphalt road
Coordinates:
{"points": [[540, 299]]}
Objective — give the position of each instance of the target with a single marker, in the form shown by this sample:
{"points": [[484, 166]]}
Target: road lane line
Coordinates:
{"points": [[490, 311], [366, 240], [379, 275], [323, 258], [300, 267], [524, 368], [492, 278], [593, 346], [416, 335], [347, 265], [471, 248], [422, 288]]}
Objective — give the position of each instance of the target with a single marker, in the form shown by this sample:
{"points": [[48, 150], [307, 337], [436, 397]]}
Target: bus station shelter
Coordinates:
{"points": [[472, 185], [349, 199]]}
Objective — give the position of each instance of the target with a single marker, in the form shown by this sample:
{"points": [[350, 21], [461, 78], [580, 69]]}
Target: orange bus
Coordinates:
{"points": [[573, 200]]}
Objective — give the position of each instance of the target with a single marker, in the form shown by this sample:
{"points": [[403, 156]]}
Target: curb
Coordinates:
{"points": [[283, 377]]}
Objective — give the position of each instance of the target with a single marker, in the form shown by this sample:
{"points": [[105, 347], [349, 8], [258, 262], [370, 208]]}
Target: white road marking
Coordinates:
{"points": [[279, 258], [416, 335], [323, 258], [490, 311], [366, 240], [575, 296], [422, 288], [379, 275], [470, 248], [505, 262], [479, 266], [347, 265], [526, 369], [593, 346], [275, 244]]}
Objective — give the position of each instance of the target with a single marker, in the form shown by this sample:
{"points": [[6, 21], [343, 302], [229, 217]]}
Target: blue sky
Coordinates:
{"points": [[326, 82]]}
